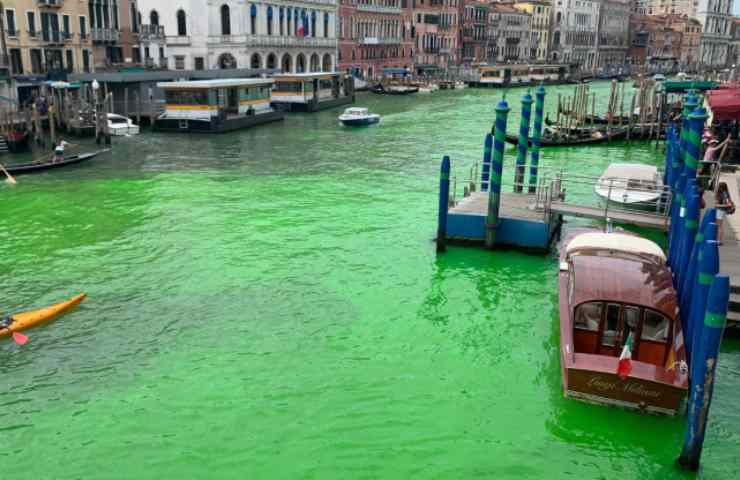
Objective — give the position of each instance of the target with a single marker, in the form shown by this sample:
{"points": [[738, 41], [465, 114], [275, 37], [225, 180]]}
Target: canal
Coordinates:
{"points": [[268, 304]]}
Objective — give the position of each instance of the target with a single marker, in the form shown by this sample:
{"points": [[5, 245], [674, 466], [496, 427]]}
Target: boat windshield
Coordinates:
{"points": [[118, 120], [356, 111]]}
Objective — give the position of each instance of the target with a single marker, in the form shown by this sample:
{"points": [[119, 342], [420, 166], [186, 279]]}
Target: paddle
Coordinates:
{"points": [[9, 178], [19, 338]]}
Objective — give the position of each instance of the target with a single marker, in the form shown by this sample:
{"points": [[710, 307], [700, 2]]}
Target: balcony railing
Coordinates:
{"points": [[152, 32], [50, 3], [104, 35], [270, 41], [378, 9], [178, 40], [379, 41], [51, 36]]}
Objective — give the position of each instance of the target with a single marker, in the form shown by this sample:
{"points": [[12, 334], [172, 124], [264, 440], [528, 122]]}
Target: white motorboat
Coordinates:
{"points": [[425, 89], [631, 185], [358, 117], [119, 125]]}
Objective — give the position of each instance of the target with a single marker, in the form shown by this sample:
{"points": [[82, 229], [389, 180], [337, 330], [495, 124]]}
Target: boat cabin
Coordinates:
{"points": [[311, 92], [503, 75], [216, 105], [619, 284], [545, 73]]}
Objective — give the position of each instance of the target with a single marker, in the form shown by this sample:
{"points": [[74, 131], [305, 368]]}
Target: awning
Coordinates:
{"points": [[724, 104], [686, 85], [427, 67], [395, 71]]}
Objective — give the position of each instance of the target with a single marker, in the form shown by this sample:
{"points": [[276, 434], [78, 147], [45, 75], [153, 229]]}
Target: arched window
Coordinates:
{"points": [[153, 18], [326, 24], [225, 20], [253, 19], [182, 28], [269, 20]]}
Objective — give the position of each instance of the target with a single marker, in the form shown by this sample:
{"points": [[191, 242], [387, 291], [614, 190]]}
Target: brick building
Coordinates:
{"points": [[474, 31], [435, 27]]}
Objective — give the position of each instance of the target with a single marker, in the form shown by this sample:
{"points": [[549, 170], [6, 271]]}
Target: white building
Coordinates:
{"points": [[509, 34], [575, 28], [614, 34], [715, 17], [293, 35]]}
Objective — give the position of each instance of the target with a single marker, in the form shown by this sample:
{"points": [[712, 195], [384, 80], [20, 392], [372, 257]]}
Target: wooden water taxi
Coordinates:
{"points": [[215, 106], [621, 342], [311, 92]]}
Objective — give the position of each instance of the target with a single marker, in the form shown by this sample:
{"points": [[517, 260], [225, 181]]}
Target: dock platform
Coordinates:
{"points": [[521, 223], [637, 218]]}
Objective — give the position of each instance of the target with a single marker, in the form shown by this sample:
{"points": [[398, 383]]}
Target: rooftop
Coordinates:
{"points": [[220, 83]]}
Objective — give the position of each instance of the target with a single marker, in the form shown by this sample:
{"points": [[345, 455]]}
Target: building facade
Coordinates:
{"points": [[574, 33], [114, 26], [690, 30], [373, 36], [509, 34], [733, 55], [435, 27], [293, 36], [613, 39], [715, 17], [539, 43], [671, 7], [45, 41], [474, 31]]}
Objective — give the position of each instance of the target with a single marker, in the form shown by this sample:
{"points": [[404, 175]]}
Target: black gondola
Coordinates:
{"points": [[38, 167], [394, 90], [549, 140], [593, 120]]}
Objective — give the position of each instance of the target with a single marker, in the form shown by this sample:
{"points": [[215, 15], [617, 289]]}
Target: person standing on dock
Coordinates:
{"points": [[725, 206]]}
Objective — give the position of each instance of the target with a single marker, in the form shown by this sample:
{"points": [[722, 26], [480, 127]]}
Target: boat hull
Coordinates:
{"points": [[364, 122], [39, 167], [562, 142], [216, 126], [124, 131], [34, 318]]}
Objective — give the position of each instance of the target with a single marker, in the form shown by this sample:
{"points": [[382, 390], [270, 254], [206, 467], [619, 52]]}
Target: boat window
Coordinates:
{"points": [[326, 84], [291, 87], [610, 327], [186, 97], [117, 120], [631, 320], [655, 327], [588, 316]]}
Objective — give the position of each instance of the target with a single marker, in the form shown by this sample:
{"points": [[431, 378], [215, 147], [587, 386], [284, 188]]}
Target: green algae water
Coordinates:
{"points": [[268, 304]]}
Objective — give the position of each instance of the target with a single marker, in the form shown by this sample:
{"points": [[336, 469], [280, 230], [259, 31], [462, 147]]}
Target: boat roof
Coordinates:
{"points": [[356, 110], [616, 279], [220, 83], [615, 242], [635, 171]]}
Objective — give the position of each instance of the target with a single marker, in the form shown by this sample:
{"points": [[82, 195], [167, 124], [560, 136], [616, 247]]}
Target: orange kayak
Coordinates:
{"points": [[26, 320]]}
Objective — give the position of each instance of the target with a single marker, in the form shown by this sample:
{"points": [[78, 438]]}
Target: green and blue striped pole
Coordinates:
{"points": [[497, 167], [444, 204], [689, 105], [705, 233], [539, 110], [485, 175], [523, 146], [692, 151], [707, 268], [703, 369]]}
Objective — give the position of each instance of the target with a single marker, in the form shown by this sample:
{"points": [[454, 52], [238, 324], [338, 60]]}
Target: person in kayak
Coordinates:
{"points": [[6, 322]]}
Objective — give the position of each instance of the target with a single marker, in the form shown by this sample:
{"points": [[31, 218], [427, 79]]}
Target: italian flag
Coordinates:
{"points": [[625, 359]]}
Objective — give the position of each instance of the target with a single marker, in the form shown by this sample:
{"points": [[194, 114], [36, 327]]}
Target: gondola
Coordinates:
{"points": [[393, 89], [38, 167], [17, 141], [589, 119], [549, 140]]}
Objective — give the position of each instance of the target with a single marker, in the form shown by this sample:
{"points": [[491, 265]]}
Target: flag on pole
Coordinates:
{"points": [[625, 359]]}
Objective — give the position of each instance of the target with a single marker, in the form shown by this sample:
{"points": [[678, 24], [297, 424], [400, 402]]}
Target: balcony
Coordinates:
{"points": [[152, 32], [52, 37], [268, 41], [379, 41], [378, 9], [50, 3], [104, 35], [178, 40]]}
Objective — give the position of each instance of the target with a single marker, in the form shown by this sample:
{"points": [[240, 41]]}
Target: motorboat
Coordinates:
{"points": [[118, 125], [358, 117], [621, 341], [631, 185]]}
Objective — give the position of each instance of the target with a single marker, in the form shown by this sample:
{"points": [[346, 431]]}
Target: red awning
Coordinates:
{"points": [[724, 103]]}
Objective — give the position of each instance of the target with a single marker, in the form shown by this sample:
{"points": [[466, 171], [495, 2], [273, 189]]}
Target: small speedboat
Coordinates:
{"points": [[425, 89], [358, 117], [630, 185], [121, 126]]}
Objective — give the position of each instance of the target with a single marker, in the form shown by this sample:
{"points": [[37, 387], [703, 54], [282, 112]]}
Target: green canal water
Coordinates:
{"points": [[268, 304]]}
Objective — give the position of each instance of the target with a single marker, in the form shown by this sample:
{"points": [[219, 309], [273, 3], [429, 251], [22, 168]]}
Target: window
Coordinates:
{"points": [[86, 61], [136, 55], [280, 21], [186, 97], [313, 24], [31, 16], [182, 28], [253, 19], [115, 18], [65, 26], [655, 327], [70, 61], [83, 27], [154, 18], [16, 61], [611, 324], [135, 19], [200, 63], [269, 20], [225, 20], [10, 23], [36, 64], [326, 24], [179, 61]]}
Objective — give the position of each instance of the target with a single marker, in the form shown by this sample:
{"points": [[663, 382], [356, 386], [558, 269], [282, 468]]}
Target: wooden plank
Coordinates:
{"points": [[618, 216]]}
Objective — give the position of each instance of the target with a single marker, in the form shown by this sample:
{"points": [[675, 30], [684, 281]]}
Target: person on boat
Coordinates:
{"points": [[725, 206], [712, 151], [59, 151], [5, 322]]}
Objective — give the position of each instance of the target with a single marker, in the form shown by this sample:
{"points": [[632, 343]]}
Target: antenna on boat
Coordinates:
{"points": [[608, 228]]}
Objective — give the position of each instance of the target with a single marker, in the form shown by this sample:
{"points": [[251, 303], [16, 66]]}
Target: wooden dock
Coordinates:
{"points": [[639, 219]]}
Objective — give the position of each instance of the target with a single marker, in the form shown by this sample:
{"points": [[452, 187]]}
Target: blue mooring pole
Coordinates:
{"points": [[485, 174], [689, 281], [708, 268], [677, 222], [497, 167], [688, 234], [692, 153], [444, 202], [539, 111], [523, 146], [703, 369]]}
